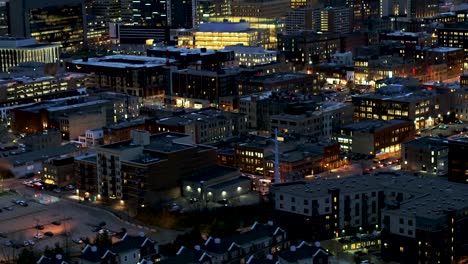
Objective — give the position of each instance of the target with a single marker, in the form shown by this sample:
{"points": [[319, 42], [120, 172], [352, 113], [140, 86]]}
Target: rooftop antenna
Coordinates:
{"points": [[277, 175]]}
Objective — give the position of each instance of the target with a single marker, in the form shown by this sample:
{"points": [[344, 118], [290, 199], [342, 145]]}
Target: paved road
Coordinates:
{"points": [[77, 220]]}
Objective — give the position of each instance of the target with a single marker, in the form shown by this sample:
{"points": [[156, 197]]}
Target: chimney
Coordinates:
{"points": [[217, 241], [292, 248], [197, 247], [140, 137]]}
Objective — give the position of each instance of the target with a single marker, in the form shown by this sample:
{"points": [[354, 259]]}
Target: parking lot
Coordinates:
{"points": [[72, 221]]}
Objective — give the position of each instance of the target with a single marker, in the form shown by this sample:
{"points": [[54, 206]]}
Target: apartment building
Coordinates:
{"points": [[427, 155]]}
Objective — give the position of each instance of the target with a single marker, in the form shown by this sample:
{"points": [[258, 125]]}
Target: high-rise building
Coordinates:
{"points": [[454, 35], [408, 10], [150, 13], [53, 21], [4, 18], [332, 19]]}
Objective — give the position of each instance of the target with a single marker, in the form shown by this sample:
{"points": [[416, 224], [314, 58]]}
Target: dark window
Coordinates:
{"points": [[402, 231], [410, 232], [373, 194], [293, 199], [356, 209], [293, 208], [281, 197], [306, 202], [356, 196], [410, 222], [401, 221], [281, 205], [327, 200], [306, 211]]}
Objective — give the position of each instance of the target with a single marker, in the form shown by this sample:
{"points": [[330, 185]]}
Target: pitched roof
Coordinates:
{"points": [[256, 232], [56, 260], [95, 254], [303, 251], [130, 242]]}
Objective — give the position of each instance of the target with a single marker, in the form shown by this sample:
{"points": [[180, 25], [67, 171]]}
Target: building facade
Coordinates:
{"points": [[427, 155]]}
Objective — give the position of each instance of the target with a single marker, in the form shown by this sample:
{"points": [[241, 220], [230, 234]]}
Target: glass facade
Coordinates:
{"points": [[58, 24]]}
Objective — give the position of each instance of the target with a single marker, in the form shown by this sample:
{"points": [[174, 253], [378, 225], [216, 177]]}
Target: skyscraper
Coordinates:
{"points": [[54, 21]]}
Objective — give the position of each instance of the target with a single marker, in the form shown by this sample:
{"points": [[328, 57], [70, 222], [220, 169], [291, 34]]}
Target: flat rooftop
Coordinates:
{"points": [[211, 173], [369, 125], [124, 61], [431, 143], [431, 196]]}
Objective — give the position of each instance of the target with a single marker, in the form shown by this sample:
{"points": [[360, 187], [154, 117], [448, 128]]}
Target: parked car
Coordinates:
{"points": [[56, 223], [39, 227], [38, 236], [8, 208], [77, 240], [8, 243], [49, 234]]}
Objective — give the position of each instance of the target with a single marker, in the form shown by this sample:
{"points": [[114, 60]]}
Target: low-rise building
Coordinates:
{"points": [[46, 139], [58, 172], [14, 51], [128, 250], [427, 155], [258, 240], [216, 184], [32, 161], [375, 137], [205, 126], [457, 161], [300, 83], [91, 138], [399, 102], [148, 168], [133, 75], [122, 131], [304, 253], [420, 219], [323, 121], [250, 56]]}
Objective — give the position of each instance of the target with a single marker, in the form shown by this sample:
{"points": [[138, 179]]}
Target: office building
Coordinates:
{"points": [[300, 83], [397, 102], [259, 107], [422, 220], [134, 75], [427, 155], [251, 56], [323, 120], [298, 19], [50, 21], [457, 162], [204, 59], [204, 126], [375, 137], [73, 117], [304, 48], [46, 139], [409, 10], [454, 35], [332, 19], [200, 89], [32, 86], [149, 13], [268, 25], [227, 34], [14, 51]]}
